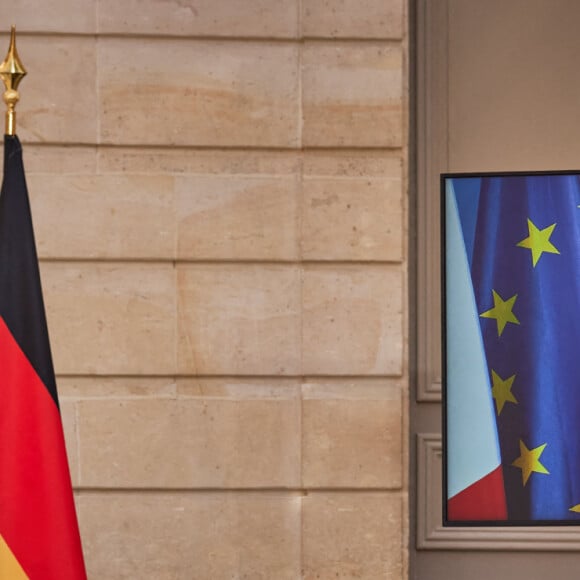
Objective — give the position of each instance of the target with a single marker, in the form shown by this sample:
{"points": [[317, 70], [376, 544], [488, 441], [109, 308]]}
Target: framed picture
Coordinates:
{"points": [[511, 348]]}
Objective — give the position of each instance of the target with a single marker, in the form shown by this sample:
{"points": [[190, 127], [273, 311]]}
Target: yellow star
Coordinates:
{"points": [[575, 508], [529, 460], [502, 391], [501, 311], [538, 241]]}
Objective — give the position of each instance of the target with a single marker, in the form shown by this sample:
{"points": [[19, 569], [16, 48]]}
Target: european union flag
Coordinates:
{"points": [[522, 236]]}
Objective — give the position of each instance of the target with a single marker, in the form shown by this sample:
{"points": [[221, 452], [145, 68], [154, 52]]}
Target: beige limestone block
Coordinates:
{"points": [[180, 160], [237, 217], [352, 320], [238, 319], [180, 536], [348, 536], [58, 99], [69, 424], [211, 93], [238, 387], [254, 18], [50, 16], [42, 158], [237, 437], [74, 388], [353, 163], [111, 318], [103, 216], [353, 18], [352, 434], [352, 219], [352, 95]]}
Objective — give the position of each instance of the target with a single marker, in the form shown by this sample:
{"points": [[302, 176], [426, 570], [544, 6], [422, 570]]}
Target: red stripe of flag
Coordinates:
{"points": [[37, 514], [482, 500]]}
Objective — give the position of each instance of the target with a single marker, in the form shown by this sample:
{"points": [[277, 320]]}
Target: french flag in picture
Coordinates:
{"points": [[475, 485]]}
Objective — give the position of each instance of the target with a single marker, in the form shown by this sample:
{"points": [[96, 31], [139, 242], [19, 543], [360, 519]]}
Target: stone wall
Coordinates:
{"points": [[219, 196]]}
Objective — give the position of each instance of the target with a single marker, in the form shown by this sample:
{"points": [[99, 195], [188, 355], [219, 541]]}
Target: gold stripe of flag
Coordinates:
{"points": [[9, 566]]}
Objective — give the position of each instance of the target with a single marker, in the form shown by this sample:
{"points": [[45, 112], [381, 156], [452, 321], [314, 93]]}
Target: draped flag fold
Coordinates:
{"points": [[474, 479], [39, 536]]}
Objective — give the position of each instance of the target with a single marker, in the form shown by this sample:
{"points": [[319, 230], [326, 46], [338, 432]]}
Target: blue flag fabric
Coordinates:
{"points": [[523, 239]]}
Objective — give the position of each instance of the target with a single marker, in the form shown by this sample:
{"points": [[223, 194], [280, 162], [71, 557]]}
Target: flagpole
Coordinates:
{"points": [[12, 72]]}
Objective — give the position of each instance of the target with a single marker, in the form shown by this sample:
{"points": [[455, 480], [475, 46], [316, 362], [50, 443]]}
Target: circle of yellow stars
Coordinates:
{"points": [[538, 242]]}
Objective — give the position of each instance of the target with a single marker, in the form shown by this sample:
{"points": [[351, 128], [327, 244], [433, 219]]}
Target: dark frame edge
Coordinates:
{"points": [[443, 247], [474, 523]]}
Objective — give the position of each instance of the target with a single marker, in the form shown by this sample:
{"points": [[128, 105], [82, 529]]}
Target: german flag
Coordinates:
{"points": [[39, 536]]}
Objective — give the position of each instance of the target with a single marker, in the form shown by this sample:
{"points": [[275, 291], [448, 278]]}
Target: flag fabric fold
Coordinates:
{"points": [[39, 536], [475, 488]]}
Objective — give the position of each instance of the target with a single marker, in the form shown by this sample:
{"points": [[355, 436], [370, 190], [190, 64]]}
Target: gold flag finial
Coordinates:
{"points": [[12, 72]]}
